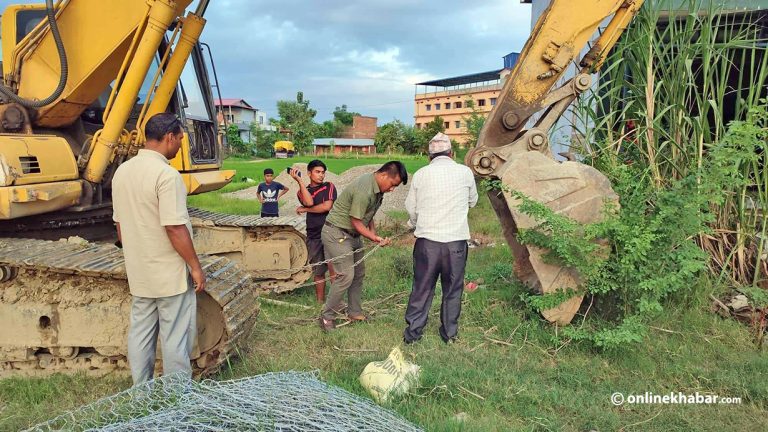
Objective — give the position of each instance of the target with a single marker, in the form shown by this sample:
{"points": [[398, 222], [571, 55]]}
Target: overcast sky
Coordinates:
{"points": [[366, 54]]}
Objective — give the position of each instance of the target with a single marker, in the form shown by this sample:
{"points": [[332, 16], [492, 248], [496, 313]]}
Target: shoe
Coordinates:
{"points": [[358, 318], [326, 325], [410, 341]]}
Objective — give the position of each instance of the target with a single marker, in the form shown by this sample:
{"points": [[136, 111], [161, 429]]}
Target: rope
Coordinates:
{"points": [[373, 248]]}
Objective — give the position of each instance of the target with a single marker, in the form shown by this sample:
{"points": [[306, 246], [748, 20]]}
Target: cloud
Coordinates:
{"points": [[366, 54]]}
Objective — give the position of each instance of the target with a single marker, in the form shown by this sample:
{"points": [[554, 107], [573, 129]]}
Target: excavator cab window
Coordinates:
{"points": [[26, 21], [195, 98]]}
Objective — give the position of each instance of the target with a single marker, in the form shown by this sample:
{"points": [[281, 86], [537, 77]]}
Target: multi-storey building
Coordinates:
{"points": [[447, 98]]}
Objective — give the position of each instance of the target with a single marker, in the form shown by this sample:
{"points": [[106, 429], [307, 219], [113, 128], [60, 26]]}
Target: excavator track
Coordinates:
{"points": [[65, 307], [273, 250]]}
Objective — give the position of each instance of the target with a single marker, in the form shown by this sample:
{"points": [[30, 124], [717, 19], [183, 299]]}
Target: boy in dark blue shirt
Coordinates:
{"points": [[269, 192]]}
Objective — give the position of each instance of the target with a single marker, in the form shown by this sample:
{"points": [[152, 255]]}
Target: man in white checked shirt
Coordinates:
{"points": [[437, 203]]}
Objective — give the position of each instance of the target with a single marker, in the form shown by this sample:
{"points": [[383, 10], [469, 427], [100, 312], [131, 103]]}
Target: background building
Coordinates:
{"points": [[447, 98], [362, 127], [343, 145], [358, 138], [241, 114]]}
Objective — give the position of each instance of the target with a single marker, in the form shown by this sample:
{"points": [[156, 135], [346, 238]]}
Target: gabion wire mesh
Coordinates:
{"points": [[282, 401]]}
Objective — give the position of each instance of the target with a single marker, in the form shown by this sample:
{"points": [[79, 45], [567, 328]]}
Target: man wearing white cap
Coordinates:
{"points": [[440, 197]]}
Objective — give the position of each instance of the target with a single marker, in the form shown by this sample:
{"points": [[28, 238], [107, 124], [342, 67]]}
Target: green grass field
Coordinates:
{"points": [[254, 169], [506, 372]]}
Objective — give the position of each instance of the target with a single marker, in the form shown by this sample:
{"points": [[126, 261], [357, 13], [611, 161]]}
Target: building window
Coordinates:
{"points": [[429, 107], [447, 105], [230, 118], [457, 104], [493, 101], [437, 107], [457, 123], [447, 125], [481, 102], [418, 125]]}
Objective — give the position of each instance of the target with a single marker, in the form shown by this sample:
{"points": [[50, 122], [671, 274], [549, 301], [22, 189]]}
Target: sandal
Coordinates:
{"points": [[326, 325]]}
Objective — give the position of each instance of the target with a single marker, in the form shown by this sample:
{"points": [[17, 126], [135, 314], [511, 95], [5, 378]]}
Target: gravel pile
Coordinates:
{"points": [[392, 201]]}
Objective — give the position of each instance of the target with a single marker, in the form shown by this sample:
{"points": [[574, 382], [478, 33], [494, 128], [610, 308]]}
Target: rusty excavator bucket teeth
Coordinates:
{"points": [[272, 250], [65, 307], [571, 189]]}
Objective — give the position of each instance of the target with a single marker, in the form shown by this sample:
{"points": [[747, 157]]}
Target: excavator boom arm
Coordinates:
{"points": [[560, 35], [521, 157]]}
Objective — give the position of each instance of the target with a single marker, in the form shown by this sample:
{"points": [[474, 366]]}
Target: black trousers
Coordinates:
{"points": [[430, 260]]}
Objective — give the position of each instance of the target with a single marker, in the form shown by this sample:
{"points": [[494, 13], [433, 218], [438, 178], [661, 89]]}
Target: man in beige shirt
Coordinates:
{"points": [[150, 208]]}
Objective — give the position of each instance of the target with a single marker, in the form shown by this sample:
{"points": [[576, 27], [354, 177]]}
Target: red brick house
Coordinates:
{"points": [[344, 145]]}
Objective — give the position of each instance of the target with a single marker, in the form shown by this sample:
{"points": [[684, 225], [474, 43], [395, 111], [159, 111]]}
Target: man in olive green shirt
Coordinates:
{"points": [[350, 219]]}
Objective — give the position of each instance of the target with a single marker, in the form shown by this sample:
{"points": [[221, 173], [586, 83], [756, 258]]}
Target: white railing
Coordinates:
{"points": [[458, 91]]}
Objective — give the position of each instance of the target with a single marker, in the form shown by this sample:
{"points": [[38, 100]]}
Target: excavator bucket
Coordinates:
{"points": [[571, 189]]}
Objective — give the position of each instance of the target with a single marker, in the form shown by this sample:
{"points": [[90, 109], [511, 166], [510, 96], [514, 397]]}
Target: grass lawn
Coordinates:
{"points": [[506, 372], [254, 169]]}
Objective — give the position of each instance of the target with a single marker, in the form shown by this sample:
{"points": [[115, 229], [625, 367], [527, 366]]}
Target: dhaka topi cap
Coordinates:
{"points": [[439, 143]]}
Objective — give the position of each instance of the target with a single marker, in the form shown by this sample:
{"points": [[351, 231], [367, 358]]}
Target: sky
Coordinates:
{"points": [[365, 54]]}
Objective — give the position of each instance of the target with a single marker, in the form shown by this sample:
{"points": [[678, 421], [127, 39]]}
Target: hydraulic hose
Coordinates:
{"points": [[8, 93]]}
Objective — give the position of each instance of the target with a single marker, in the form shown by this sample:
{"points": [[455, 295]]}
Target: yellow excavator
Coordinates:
{"points": [[517, 153], [80, 79]]}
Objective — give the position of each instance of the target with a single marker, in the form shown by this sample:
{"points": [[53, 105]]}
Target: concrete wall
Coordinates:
{"points": [[566, 129], [240, 115], [339, 149]]}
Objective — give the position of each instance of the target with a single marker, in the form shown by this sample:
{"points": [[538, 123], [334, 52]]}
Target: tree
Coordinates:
{"points": [[298, 117], [236, 143], [342, 116], [329, 129], [474, 122], [395, 136], [426, 133], [264, 140]]}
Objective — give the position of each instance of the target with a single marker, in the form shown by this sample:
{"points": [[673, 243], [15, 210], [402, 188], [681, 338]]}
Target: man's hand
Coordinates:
{"points": [[383, 241], [301, 210], [198, 277], [295, 174]]}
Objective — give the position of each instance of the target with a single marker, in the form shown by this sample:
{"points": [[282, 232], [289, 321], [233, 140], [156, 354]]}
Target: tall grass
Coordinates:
{"points": [[666, 96]]}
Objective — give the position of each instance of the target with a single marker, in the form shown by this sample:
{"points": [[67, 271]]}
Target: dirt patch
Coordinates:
{"points": [[289, 201], [392, 201], [64, 290], [481, 240]]}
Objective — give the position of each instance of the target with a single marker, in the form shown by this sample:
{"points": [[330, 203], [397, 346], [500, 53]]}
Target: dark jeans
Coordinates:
{"points": [[430, 260]]}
